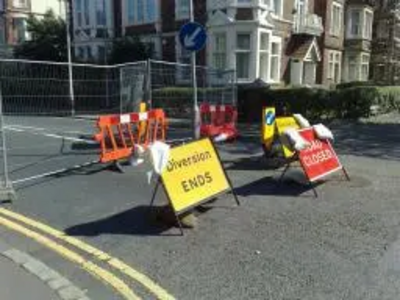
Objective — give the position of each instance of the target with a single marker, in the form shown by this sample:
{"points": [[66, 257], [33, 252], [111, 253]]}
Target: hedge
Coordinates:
{"points": [[317, 103], [314, 103]]}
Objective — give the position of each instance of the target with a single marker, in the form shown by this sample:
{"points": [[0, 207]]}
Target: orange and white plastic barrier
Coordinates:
{"points": [[218, 121], [120, 135]]}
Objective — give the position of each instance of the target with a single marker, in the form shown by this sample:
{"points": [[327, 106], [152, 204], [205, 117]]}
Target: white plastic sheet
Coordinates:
{"points": [[296, 140], [159, 156], [323, 132], [303, 122]]}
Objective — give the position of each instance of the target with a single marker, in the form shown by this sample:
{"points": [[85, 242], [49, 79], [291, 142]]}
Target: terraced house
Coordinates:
{"points": [[296, 42]]}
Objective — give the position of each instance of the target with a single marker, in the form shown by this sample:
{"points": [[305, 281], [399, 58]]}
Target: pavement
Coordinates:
{"points": [[24, 277], [17, 284], [282, 243]]}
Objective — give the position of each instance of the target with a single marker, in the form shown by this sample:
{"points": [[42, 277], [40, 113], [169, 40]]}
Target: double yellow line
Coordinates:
{"points": [[106, 276]]}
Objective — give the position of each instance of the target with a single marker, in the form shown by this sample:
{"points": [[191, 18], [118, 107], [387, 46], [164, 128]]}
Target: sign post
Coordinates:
{"points": [[193, 176], [192, 37]]}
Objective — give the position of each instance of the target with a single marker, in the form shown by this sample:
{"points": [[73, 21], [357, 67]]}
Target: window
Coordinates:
{"points": [[277, 7], [368, 25], [336, 19], [20, 3], [219, 54], [243, 55], [101, 12], [275, 61], [352, 68], [2, 32], [141, 11], [300, 13], [101, 53], [355, 23], [334, 66], [81, 52], [264, 56], [78, 9], [19, 30], [364, 67], [89, 52], [86, 12], [182, 9]]}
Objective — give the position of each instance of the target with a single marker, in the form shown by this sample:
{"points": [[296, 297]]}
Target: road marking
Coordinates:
{"points": [[51, 135], [96, 271], [116, 263], [56, 172]]}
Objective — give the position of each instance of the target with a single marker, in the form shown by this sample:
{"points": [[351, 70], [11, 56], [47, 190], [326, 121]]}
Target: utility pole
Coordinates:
{"points": [[196, 110]]}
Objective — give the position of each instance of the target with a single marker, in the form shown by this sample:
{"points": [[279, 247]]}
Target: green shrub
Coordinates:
{"points": [[354, 103], [388, 99]]}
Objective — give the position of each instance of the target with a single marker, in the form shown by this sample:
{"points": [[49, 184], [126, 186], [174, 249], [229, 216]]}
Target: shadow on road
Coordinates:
{"points": [[269, 186], [140, 220], [371, 140]]}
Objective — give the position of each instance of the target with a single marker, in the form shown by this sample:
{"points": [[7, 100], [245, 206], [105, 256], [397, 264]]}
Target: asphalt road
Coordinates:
{"points": [[282, 243]]}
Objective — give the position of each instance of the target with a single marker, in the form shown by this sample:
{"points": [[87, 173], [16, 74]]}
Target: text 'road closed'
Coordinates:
{"points": [[193, 175], [319, 159]]}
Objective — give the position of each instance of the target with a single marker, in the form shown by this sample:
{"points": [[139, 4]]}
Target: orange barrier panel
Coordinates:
{"points": [[217, 120], [118, 134]]}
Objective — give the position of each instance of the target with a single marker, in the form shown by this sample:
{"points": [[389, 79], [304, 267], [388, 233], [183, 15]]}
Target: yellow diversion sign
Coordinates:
{"points": [[194, 175]]}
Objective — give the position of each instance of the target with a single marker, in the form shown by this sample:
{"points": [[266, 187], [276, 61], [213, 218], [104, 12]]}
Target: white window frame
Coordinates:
{"points": [[300, 13], [79, 12], [278, 57], [101, 3], [350, 33], [264, 52], [277, 7], [86, 13], [355, 64], [218, 53], [363, 31], [367, 32], [20, 3], [145, 13], [182, 9], [334, 65], [364, 63], [334, 28], [245, 51]]}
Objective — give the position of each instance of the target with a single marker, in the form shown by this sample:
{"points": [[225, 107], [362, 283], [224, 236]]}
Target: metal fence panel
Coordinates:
{"points": [[42, 88], [171, 87]]}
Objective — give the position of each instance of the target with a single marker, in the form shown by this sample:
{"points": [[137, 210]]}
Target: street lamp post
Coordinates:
{"points": [[196, 111], [69, 50]]}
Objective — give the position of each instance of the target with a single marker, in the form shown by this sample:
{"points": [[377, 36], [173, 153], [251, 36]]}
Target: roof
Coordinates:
{"points": [[302, 48]]}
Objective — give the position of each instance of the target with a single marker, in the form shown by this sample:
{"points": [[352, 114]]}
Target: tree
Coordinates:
{"points": [[48, 39], [129, 49]]}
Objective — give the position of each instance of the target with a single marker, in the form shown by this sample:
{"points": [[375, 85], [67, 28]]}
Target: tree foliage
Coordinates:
{"points": [[129, 49], [48, 39]]}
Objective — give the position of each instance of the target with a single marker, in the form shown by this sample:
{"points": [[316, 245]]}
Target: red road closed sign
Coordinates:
{"points": [[319, 159]]}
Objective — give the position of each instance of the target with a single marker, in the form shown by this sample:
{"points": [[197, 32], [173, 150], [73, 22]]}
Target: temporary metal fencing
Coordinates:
{"points": [[34, 92], [43, 88], [171, 87]]}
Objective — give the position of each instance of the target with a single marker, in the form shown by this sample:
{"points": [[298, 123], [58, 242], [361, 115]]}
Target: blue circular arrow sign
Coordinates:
{"points": [[193, 36], [270, 118]]}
